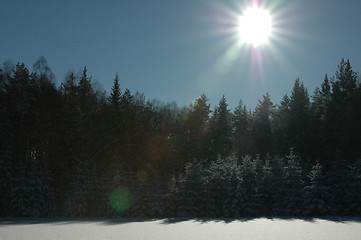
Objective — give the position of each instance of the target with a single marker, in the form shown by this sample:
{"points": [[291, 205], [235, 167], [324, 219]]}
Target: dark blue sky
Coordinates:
{"points": [[176, 50]]}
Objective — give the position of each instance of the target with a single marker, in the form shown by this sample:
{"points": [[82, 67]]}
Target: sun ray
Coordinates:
{"points": [[251, 55]]}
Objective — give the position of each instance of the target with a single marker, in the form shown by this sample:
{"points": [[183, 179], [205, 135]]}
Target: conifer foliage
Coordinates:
{"points": [[75, 151]]}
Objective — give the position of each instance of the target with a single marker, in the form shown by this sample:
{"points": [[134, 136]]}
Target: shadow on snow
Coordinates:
{"points": [[114, 221]]}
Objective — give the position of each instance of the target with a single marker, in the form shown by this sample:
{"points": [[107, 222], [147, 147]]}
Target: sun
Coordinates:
{"points": [[255, 26]]}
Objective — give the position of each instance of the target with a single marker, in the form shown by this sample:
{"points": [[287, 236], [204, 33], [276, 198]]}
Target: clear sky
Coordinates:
{"points": [[175, 50]]}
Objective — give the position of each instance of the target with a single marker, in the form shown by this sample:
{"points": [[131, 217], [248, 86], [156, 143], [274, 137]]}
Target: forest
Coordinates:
{"points": [[76, 151]]}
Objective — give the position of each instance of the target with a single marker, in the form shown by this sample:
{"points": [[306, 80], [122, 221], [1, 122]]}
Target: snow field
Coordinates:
{"points": [[174, 229]]}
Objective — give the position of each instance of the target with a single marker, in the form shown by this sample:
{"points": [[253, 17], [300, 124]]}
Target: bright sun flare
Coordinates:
{"points": [[255, 26]]}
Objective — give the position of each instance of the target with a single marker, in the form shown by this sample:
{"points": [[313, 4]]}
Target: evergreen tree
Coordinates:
{"points": [[341, 182], [84, 85], [262, 127], [251, 172], [127, 99], [196, 129], [69, 87], [115, 95], [346, 83], [241, 131], [149, 199], [320, 134], [7, 142], [292, 186], [321, 100], [126, 102], [115, 118], [356, 184], [87, 95], [30, 194], [280, 126], [114, 178], [67, 132], [82, 196], [225, 187], [318, 197], [342, 118], [220, 142], [271, 188], [191, 198], [298, 123]]}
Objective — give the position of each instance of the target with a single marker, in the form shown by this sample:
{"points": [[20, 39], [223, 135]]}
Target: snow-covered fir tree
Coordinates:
{"points": [[82, 197], [318, 197]]}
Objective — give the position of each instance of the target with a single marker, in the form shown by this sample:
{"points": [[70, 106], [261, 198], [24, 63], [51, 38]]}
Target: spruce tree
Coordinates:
{"points": [[291, 202], [82, 197], [115, 95], [241, 125], [220, 143], [298, 124], [196, 129], [262, 133], [84, 85], [340, 179], [191, 192], [280, 126], [343, 118], [319, 131], [251, 172], [318, 197]]}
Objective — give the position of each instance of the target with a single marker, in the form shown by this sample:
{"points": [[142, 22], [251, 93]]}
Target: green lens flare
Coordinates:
{"points": [[121, 199]]}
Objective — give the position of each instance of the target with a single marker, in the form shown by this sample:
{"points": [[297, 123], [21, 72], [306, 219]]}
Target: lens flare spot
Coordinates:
{"points": [[142, 175], [159, 148], [121, 199]]}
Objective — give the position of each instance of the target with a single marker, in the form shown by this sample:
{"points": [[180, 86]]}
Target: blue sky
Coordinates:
{"points": [[176, 50]]}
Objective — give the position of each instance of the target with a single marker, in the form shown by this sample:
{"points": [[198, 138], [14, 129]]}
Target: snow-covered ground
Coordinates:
{"points": [[171, 229]]}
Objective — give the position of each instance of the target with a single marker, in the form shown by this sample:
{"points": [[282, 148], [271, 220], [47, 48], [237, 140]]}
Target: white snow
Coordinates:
{"points": [[172, 229]]}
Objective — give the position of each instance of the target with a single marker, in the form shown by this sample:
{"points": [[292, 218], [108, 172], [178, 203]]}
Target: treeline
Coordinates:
{"points": [[76, 151]]}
